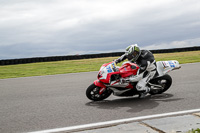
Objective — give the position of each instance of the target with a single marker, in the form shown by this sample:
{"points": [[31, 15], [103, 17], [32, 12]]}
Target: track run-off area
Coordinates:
{"points": [[56, 101]]}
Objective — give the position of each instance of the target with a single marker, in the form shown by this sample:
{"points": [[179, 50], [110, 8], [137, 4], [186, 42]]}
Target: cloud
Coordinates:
{"points": [[52, 27], [174, 44]]}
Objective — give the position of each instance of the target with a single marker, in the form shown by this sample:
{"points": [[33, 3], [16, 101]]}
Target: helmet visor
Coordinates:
{"points": [[132, 56]]}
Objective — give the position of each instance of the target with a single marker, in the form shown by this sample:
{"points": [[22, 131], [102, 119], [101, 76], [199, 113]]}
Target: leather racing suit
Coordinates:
{"points": [[147, 70]]}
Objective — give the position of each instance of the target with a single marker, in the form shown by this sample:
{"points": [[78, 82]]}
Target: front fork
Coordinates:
{"points": [[101, 85]]}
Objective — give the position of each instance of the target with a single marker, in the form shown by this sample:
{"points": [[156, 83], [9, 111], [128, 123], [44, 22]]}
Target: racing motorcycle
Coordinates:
{"points": [[110, 75]]}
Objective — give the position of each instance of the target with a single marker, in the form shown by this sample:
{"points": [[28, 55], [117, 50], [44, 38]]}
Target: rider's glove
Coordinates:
{"points": [[117, 61]]}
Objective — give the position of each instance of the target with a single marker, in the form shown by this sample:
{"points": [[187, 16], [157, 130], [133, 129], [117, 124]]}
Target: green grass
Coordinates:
{"points": [[194, 131], [182, 57], [84, 65]]}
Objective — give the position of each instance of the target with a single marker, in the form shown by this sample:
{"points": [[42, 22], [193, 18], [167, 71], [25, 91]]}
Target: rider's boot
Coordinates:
{"points": [[144, 93]]}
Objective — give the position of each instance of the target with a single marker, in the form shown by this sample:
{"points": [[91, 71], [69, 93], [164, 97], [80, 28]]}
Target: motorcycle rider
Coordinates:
{"points": [[146, 61]]}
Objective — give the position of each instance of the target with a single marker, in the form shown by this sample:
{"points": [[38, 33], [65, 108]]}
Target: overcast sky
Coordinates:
{"points": [[37, 28]]}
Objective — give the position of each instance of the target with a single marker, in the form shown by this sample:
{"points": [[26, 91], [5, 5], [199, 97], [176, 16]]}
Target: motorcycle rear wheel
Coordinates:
{"points": [[165, 81], [92, 93]]}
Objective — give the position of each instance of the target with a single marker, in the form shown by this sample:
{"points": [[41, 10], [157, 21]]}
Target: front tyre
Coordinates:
{"points": [[164, 81], [92, 93]]}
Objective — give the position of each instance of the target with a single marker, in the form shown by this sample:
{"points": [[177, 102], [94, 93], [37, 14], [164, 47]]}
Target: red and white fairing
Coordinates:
{"points": [[110, 69]]}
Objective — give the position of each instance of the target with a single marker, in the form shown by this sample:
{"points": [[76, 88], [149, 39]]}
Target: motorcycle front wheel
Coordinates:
{"points": [[92, 93]]}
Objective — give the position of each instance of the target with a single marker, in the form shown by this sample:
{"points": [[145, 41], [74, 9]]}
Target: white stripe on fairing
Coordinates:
{"points": [[114, 122]]}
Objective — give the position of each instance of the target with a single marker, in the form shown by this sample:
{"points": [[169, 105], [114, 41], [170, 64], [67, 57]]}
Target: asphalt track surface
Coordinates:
{"points": [[56, 101]]}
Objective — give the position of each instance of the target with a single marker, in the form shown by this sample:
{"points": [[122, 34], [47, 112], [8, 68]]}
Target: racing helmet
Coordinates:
{"points": [[133, 52]]}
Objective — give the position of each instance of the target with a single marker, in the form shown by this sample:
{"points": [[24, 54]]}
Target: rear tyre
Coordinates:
{"points": [[164, 81], [92, 93]]}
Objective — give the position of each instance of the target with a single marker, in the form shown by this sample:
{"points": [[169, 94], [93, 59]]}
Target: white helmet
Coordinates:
{"points": [[133, 52]]}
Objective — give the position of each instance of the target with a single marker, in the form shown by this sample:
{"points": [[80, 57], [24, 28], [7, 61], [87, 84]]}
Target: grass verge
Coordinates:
{"points": [[194, 131], [84, 65]]}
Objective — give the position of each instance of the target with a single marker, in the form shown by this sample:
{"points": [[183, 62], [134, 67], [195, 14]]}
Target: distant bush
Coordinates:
{"points": [[194, 131]]}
